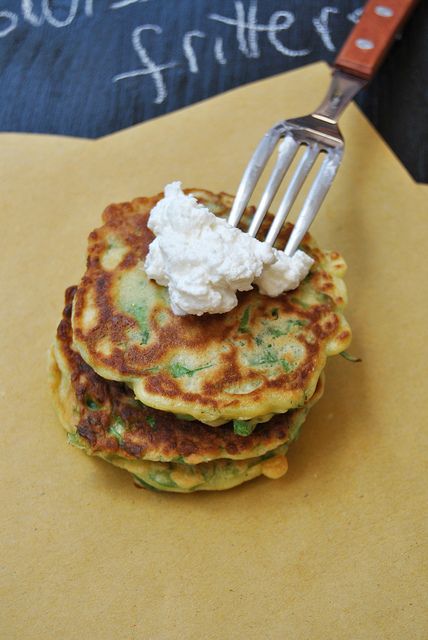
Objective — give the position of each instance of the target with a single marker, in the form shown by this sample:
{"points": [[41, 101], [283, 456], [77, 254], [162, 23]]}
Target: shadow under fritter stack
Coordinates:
{"points": [[190, 403]]}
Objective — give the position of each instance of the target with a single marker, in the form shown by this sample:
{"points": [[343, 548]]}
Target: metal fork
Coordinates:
{"points": [[355, 65]]}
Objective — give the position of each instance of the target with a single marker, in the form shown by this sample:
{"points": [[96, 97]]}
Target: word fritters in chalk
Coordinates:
{"points": [[247, 33], [242, 27]]}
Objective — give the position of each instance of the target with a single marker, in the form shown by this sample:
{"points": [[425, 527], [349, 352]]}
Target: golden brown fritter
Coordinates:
{"points": [[263, 357], [108, 418]]}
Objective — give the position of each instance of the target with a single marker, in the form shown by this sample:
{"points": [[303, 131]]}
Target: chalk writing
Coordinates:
{"points": [[89, 8], [125, 3], [189, 51], [250, 34], [29, 15], [150, 67], [280, 21], [321, 24], [354, 16], [219, 52], [248, 29], [12, 21], [55, 22], [47, 14]]}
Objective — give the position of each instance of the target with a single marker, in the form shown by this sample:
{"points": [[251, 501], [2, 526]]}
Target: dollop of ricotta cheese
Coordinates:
{"points": [[204, 261]]}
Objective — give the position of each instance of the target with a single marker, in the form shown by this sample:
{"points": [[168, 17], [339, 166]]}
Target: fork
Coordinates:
{"points": [[356, 64]]}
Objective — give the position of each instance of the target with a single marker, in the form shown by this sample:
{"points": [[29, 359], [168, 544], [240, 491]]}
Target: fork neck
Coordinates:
{"points": [[343, 87]]}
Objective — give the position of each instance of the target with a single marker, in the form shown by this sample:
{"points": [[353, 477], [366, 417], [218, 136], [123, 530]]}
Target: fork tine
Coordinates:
{"points": [[253, 172], [292, 191], [287, 151], [314, 199]]}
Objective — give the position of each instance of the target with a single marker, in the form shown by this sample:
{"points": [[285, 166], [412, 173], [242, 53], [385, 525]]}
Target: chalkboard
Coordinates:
{"points": [[90, 67]]}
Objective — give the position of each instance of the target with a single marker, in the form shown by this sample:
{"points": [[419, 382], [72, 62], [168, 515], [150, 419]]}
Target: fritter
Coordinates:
{"points": [[104, 418], [264, 357]]}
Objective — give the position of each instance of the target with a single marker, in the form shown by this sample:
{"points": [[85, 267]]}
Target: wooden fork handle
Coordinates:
{"points": [[369, 41]]}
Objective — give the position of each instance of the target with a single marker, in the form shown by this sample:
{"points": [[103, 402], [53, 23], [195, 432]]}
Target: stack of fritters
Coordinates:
{"points": [[190, 403]]}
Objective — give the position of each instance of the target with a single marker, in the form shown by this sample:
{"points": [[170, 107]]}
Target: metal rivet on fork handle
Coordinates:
{"points": [[364, 43], [383, 12]]}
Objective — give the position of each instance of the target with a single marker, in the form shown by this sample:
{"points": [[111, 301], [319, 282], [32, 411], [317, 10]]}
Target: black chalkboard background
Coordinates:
{"points": [[89, 67]]}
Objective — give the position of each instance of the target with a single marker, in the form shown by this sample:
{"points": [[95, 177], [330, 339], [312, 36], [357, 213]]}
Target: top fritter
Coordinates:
{"points": [[263, 357]]}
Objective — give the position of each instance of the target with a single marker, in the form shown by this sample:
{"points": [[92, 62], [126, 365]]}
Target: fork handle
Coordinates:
{"points": [[370, 40]]}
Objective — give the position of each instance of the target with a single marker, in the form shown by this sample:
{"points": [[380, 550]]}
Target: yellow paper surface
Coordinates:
{"points": [[335, 549]]}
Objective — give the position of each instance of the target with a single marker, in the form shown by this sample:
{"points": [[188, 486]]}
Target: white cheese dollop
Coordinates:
{"points": [[204, 261]]}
